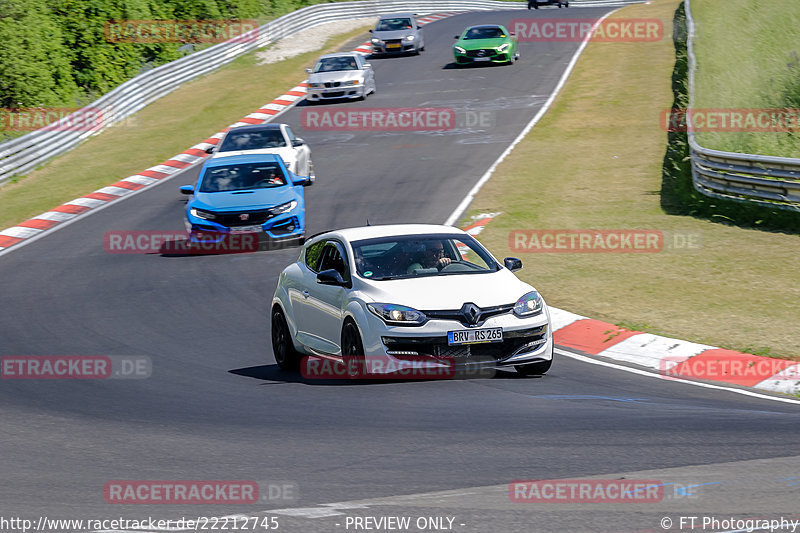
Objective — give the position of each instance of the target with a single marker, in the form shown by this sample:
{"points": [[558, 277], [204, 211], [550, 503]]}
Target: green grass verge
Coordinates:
{"points": [[165, 128], [748, 56], [599, 159]]}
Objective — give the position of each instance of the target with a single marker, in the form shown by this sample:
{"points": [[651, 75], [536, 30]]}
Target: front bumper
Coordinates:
{"points": [[525, 340], [465, 59], [284, 227], [391, 48], [336, 93]]}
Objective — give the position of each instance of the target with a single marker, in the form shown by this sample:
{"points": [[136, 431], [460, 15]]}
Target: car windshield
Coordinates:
{"points": [[394, 24], [241, 177], [252, 140], [484, 33], [413, 256], [333, 64]]}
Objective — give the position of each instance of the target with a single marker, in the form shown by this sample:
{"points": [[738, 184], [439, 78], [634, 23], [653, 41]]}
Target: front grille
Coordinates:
{"points": [[233, 220], [486, 52], [485, 314], [406, 347], [336, 94], [332, 84]]}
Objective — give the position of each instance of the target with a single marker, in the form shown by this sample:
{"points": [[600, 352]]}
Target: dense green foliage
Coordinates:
{"points": [[55, 52]]}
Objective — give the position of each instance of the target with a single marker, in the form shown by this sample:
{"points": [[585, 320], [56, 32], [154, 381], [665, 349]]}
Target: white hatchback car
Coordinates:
{"points": [[337, 76], [269, 138], [424, 293]]}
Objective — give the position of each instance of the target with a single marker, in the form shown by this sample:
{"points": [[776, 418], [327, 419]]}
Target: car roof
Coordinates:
{"points": [[338, 54], [246, 158], [256, 127], [397, 16], [390, 230], [485, 26]]}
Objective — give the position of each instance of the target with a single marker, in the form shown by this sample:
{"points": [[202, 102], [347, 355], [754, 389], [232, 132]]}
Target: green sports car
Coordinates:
{"points": [[486, 43]]}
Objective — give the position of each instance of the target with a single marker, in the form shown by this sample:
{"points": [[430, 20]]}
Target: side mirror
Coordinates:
{"points": [[298, 142], [370, 31], [456, 37], [305, 181], [210, 149], [187, 189], [512, 263], [330, 277], [308, 70]]}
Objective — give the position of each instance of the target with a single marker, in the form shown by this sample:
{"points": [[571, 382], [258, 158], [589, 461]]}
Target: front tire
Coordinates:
{"points": [[353, 351], [285, 355], [534, 369]]}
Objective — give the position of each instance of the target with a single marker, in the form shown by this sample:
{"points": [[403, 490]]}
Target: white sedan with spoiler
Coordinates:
{"points": [[379, 297]]}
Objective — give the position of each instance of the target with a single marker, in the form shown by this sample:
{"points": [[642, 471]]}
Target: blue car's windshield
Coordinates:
{"points": [[243, 176], [413, 256], [484, 33]]}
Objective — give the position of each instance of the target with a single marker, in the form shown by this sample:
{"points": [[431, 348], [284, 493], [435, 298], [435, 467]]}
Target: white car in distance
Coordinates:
{"points": [[268, 138], [340, 76], [423, 293]]}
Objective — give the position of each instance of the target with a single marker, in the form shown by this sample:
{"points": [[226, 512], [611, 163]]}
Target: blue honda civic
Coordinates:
{"points": [[247, 194]]}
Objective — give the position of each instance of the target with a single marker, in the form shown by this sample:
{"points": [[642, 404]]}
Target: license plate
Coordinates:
{"points": [[475, 336], [483, 59], [392, 46], [246, 229]]}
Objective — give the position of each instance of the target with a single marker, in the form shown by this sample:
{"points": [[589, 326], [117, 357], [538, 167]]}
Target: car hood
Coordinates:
{"points": [[390, 35], [449, 292], [338, 75], [475, 44], [287, 154], [243, 200]]}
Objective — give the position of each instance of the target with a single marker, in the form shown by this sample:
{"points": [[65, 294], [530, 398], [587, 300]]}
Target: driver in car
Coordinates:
{"points": [[432, 257]]}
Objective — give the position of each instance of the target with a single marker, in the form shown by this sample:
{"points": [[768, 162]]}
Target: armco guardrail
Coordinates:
{"points": [[774, 181], [23, 154]]}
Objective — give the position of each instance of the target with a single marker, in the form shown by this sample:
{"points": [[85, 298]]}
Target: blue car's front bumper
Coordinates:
{"points": [[287, 226]]}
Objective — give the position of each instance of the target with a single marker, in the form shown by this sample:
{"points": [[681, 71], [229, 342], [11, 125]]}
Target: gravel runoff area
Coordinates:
{"points": [[309, 40]]}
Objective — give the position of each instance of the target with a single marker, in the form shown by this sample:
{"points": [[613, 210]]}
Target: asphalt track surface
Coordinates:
{"points": [[217, 407]]}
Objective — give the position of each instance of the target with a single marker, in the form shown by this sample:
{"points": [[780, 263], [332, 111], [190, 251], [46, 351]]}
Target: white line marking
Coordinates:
{"points": [[637, 371]]}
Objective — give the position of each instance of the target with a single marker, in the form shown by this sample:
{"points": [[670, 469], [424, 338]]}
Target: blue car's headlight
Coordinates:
{"points": [[205, 215], [529, 305], [283, 208], [398, 315]]}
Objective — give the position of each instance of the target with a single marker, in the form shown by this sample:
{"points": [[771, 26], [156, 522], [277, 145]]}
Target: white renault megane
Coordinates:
{"points": [[393, 294]]}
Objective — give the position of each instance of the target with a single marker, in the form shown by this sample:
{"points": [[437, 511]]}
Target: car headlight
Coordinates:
{"points": [[376, 41], [349, 83], [398, 315], [460, 50], [283, 208], [316, 85], [410, 38], [529, 305], [205, 215], [504, 47]]}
